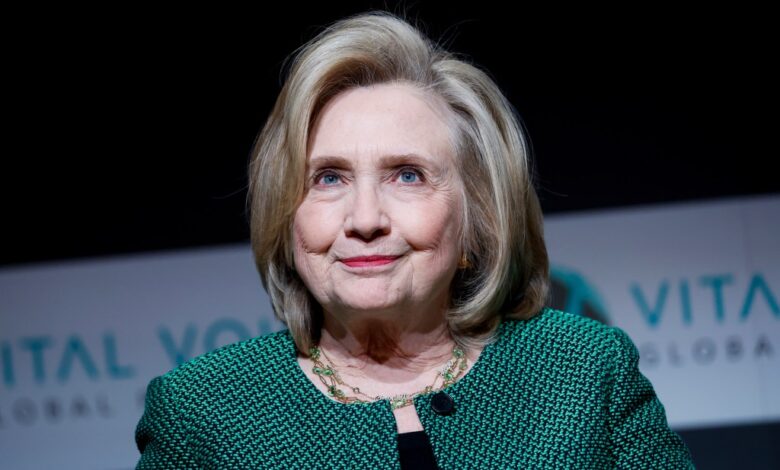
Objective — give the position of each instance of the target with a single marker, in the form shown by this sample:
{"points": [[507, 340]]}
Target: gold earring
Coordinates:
{"points": [[464, 262]]}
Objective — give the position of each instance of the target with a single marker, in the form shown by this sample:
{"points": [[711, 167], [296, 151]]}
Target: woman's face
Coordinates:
{"points": [[378, 229]]}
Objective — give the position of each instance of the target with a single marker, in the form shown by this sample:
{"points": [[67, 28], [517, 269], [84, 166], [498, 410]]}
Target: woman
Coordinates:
{"points": [[397, 232]]}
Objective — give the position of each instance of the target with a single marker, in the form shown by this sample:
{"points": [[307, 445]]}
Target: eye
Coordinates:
{"points": [[409, 175], [327, 178]]}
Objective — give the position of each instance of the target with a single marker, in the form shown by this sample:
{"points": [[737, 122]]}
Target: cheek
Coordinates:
{"points": [[314, 230], [432, 225]]}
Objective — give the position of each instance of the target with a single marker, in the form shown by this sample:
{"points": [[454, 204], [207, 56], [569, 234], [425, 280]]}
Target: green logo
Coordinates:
{"points": [[573, 294]]}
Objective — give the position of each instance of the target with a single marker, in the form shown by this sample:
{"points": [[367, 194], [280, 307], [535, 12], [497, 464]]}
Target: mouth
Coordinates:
{"points": [[368, 261]]}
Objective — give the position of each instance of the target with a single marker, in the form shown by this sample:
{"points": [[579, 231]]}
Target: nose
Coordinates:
{"points": [[366, 218]]}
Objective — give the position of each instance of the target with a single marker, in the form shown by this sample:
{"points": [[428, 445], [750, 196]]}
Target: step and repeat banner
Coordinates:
{"points": [[697, 287]]}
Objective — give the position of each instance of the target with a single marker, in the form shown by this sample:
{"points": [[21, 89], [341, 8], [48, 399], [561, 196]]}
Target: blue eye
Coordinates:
{"points": [[408, 176], [329, 179]]}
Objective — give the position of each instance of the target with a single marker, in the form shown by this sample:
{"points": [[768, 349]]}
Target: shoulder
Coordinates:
{"points": [[204, 400], [562, 338], [251, 358], [560, 328]]}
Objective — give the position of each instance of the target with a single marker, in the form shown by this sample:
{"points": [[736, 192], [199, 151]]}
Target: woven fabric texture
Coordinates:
{"points": [[555, 391]]}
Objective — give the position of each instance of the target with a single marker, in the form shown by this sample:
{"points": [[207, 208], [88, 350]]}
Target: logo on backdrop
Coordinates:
{"points": [[51, 364], [572, 293], [667, 303]]}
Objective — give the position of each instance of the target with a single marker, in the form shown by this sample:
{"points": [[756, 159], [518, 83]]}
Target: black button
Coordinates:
{"points": [[442, 403]]}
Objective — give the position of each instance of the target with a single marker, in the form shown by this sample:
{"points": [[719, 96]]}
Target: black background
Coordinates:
{"points": [[130, 129]]}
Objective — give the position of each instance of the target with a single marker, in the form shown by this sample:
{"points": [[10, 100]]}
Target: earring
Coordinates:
{"points": [[464, 262]]}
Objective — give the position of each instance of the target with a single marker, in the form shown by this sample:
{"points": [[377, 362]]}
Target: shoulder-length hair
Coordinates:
{"points": [[507, 273]]}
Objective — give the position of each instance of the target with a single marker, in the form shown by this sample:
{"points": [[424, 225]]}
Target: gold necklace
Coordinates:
{"points": [[327, 373]]}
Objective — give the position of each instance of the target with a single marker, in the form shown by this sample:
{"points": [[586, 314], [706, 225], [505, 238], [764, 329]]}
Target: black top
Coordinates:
{"points": [[416, 452]]}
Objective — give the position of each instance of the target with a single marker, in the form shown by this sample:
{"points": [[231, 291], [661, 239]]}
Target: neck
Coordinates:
{"points": [[375, 346]]}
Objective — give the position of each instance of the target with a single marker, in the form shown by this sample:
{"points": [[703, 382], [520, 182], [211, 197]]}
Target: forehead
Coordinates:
{"points": [[387, 119]]}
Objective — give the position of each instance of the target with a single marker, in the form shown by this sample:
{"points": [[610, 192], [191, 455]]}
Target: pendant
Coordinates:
{"points": [[399, 401]]}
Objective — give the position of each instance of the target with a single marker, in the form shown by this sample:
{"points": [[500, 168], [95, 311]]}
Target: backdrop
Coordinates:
{"points": [[695, 285]]}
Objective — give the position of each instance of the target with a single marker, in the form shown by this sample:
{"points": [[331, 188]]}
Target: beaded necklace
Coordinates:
{"points": [[327, 373]]}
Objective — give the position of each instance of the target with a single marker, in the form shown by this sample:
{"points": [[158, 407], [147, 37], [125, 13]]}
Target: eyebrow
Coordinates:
{"points": [[386, 161]]}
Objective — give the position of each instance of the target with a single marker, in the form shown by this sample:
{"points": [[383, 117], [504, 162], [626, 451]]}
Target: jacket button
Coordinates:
{"points": [[442, 403]]}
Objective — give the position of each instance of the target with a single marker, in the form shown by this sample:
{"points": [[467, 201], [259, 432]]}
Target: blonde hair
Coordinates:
{"points": [[507, 273]]}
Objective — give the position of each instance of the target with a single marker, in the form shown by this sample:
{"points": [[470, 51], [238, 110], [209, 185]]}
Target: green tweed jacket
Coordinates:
{"points": [[555, 391]]}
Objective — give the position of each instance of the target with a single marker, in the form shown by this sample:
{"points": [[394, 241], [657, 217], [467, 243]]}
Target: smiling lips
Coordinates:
{"points": [[367, 261]]}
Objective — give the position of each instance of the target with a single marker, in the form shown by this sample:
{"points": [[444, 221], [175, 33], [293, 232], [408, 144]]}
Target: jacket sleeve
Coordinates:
{"points": [[641, 437], [160, 434]]}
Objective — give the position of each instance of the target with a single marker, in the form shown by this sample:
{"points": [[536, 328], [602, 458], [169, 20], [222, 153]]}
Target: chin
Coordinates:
{"points": [[369, 306], [364, 302]]}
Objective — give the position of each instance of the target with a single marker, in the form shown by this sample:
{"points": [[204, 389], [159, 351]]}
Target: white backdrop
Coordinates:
{"points": [[695, 285]]}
